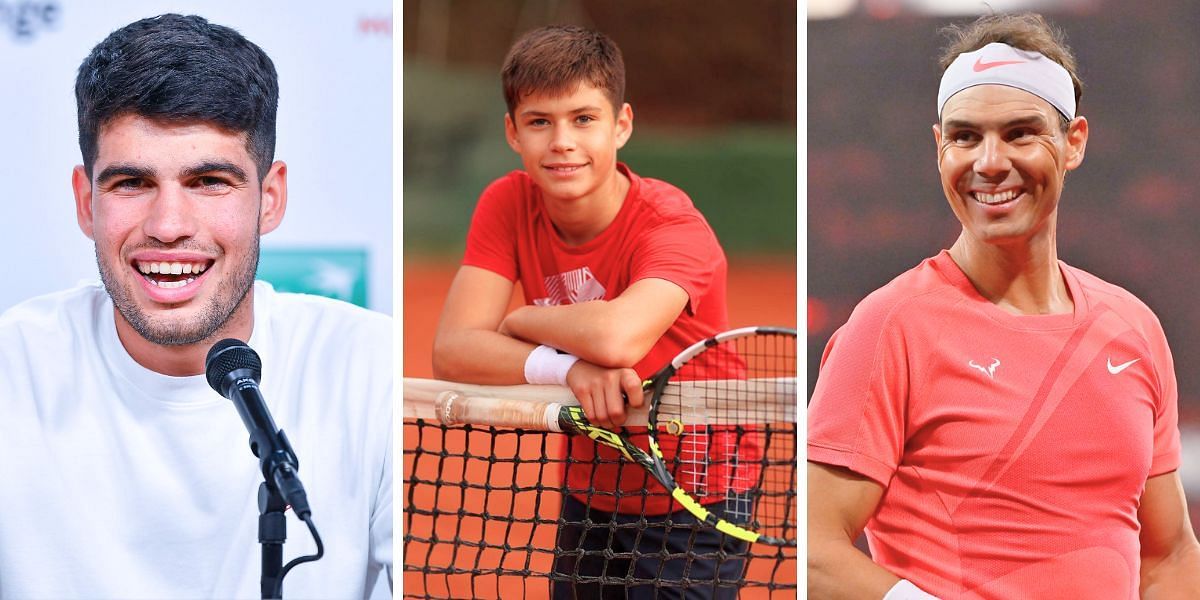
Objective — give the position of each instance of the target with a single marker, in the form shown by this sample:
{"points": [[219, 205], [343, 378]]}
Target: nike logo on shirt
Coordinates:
{"points": [[1114, 369]]}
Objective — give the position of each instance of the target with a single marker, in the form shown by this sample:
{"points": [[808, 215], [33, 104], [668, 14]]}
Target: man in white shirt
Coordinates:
{"points": [[124, 474]]}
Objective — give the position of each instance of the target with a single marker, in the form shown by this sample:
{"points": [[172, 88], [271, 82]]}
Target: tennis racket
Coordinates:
{"points": [[721, 419]]}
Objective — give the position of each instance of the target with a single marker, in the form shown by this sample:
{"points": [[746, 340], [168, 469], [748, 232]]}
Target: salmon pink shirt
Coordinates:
{"points": [[1013, 450]]}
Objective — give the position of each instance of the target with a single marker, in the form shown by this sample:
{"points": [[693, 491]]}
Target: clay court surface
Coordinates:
{"points": [[761, 292]]}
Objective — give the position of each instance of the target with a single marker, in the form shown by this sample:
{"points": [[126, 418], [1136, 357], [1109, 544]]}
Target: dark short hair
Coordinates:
{"points": [[179, 69], [555, 59], [1027, 31]]}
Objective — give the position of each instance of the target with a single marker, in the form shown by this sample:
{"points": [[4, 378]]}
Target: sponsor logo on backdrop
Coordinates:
{"points": [[23, 20], [333, 273], [381, 25]]}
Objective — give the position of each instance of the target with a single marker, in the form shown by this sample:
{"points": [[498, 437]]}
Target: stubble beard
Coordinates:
{"points": [[230, 294]]}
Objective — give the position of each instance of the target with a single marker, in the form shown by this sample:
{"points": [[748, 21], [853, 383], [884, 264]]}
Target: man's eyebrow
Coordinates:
{"points": [[1032, 120], [123, 170], [216, 166]]}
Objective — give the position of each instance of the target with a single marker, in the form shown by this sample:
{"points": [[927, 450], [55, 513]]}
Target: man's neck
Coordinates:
{"points": [[1022, 279], [185, 360], [580, 220]]}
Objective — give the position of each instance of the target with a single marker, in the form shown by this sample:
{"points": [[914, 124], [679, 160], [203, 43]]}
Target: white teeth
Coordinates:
{"points": [[169, 268], [999, 198], [173, 284]]}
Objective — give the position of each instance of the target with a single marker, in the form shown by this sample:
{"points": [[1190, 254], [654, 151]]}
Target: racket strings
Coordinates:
{"points": [[738, 442]]}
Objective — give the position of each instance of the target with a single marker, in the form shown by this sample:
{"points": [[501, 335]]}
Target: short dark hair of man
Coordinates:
{"points": [[179, 69]]}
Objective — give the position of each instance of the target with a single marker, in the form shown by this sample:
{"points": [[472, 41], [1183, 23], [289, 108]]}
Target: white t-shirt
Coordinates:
{"points": [[119, 482]]}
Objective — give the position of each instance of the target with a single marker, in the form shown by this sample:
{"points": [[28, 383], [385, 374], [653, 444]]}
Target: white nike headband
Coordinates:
{"points": [[1001, 64]]}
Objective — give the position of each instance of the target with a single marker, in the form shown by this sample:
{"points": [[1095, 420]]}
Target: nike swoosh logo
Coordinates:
{"points": [[983, 66], [1121, 367]]}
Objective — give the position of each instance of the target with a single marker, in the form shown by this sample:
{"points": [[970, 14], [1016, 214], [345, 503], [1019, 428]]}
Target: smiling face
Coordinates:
{"points": [[176, 212], [568, 144], [1003, 157]]}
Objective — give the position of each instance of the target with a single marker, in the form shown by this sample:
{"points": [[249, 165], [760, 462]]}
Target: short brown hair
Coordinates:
{"points": [[1028, 31], [555, 59]]}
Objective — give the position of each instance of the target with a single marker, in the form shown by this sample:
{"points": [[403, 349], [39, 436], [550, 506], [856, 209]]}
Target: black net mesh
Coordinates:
{"points": [[484, 517]]}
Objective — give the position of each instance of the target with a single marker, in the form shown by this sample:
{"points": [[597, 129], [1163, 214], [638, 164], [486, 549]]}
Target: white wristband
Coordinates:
{"points": [[905, 590], [546, 365]]}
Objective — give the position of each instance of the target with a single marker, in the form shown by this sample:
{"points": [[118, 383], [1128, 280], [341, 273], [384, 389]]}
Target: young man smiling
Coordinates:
{"points": [[619, 273], [127, 475], [176, 211], [1002, 425]]}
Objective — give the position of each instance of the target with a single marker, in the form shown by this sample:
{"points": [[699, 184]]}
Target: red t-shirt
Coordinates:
{"points": [[1013, 449], [657, 233]]}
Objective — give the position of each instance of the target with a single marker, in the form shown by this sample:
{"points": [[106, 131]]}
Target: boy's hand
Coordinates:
{"points": [[602, 392]]}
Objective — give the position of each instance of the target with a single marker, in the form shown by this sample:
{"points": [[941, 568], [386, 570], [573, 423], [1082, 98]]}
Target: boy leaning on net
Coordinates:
{"points": [[619, 273]]}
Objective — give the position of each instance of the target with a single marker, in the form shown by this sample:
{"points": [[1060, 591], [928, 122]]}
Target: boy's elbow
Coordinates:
{"points": [[444, 366], [615, 349]]}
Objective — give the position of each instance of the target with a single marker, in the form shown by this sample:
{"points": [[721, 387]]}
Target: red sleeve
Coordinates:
{"points": [[1166, 411], [684, 251], [492, 238], [856, 418]]}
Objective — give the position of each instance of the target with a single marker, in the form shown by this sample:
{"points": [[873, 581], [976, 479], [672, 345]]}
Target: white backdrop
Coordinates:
{"points": [[334, 61]]}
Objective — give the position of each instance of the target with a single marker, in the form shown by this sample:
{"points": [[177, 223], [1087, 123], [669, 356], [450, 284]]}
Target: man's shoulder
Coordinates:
{"points": [[52, 312], [1119, 299], [900, 307], [916, 289], [305, 318]]}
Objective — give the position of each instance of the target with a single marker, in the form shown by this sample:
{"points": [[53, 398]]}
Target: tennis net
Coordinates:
{"points": [[482, 519]]}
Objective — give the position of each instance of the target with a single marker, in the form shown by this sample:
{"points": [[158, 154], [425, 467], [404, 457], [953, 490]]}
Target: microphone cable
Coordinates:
{"points": [[278, 592]]}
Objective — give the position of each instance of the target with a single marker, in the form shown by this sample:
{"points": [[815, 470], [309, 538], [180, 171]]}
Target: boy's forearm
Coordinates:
{"points": [[481, 357], [595, 331]]}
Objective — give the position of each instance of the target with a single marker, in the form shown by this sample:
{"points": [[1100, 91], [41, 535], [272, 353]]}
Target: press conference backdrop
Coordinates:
{"points": [[334, 61]]}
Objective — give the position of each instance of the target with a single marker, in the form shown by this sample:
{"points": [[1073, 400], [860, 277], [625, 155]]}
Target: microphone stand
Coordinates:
{"points": [[272, 533], [233, 370], [272, 521]]}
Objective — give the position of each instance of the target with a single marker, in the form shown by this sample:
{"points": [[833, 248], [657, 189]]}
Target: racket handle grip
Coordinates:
{"points": [[454, 408]]}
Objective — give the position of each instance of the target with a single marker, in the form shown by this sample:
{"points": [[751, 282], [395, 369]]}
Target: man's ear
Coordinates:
{"points": [[1077, 136], [274, 198], [937, 144], [81, 185]]}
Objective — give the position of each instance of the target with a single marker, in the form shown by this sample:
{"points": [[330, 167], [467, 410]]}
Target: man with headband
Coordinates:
{"points": [[1001, 424]]}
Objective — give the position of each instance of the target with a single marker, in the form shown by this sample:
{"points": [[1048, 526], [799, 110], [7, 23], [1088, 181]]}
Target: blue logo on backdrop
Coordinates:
{"points": [[24, 19]]}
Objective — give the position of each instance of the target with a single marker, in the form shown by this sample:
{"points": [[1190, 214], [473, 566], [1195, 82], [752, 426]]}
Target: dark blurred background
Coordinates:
{"points": [[713, 89], [1128, 215]]}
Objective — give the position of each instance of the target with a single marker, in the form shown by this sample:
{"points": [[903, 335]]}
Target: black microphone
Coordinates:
{"points": [[233, 370]]}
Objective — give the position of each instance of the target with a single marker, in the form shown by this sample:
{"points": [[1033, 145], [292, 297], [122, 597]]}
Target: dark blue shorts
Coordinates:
{"points": [[670, 556]]}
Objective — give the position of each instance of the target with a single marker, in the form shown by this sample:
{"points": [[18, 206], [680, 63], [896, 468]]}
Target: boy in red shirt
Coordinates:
{"points": [[620, 273], [1003, 425]]}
